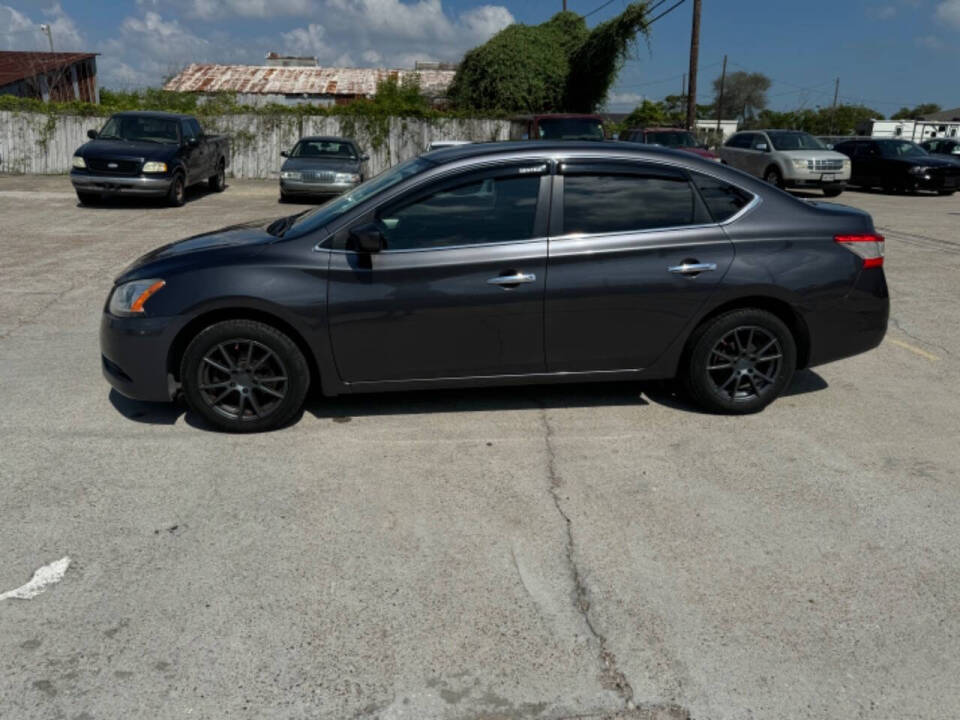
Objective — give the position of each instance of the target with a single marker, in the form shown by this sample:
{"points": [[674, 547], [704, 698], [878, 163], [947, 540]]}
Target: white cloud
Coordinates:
{"points": [[882, 12], [930, 42], [949, 12], [626, 99], [395, 33], [20, 32], [209, 9]]}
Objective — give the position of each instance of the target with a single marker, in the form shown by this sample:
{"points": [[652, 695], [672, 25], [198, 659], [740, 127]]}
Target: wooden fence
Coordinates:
{"points": [[37, 143]]}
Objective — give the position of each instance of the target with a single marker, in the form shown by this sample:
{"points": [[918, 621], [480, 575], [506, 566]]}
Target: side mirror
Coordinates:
{"points": [[367, 239], [762, 147], [192, 142], [284, 153], [92, 134], [364, 158]]}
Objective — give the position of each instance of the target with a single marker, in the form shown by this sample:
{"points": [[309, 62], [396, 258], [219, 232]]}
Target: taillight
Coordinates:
{"points": [[869, 247]]}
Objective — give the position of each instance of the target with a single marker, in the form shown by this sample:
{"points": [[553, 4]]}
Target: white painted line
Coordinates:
{"points": [[47, 575], [914, 349]]}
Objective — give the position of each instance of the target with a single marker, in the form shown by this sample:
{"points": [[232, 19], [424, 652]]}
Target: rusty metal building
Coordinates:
{"points": [[262, 84], [57, 76]]}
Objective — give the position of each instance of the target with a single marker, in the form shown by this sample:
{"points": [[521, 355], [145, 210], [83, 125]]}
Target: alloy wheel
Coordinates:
{"points": [[242, 379], [745, 362]]}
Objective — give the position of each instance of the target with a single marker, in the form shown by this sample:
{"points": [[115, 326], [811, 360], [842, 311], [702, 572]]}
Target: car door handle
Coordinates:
{"points": [[692, 268], [515, 279]]}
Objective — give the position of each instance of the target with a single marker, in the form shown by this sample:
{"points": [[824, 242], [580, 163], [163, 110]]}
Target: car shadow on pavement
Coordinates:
{"points": [[527, 397], [129, 202]]}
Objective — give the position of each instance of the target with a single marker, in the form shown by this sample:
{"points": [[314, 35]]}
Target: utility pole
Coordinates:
{"points": [[46, 29], [723, 79], [564, 5], [833, 110], [694, 58]]}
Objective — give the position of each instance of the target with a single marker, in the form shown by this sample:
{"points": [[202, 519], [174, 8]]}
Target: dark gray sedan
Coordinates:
{"points": [[501, 264], [321, 166]]}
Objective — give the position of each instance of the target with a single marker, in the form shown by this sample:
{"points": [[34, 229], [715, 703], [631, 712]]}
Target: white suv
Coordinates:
{"points": [[788, 158]]}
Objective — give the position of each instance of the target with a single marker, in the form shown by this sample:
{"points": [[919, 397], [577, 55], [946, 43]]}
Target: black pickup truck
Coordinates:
{"points": [[149, 154]]}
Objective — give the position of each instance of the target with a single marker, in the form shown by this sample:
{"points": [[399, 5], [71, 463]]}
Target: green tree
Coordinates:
{"points": [[744, 94], [646, 114], [555, 66], [916, 113]]}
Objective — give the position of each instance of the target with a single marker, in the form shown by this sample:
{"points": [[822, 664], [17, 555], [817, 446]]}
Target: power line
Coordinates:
{"points": [[597, 9], [666, 12]]}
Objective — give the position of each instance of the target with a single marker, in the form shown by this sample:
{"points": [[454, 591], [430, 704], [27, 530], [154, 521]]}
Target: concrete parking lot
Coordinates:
{"points": [[551, 552]]}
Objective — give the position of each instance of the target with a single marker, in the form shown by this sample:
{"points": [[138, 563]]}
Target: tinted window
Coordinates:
{"points": [[188, 131], [138, 128], [743, 140], [570, 129], [723, 200], [759, 140], [479, 211], [673, 138], [791, 140], [618, 203], [324, 149], [900, 148]]}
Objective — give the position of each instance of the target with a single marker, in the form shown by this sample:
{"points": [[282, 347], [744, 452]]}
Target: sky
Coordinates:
{"points": [[887, 53]]}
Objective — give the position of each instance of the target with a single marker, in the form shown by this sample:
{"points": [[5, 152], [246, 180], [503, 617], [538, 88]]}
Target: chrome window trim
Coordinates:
{"points": [[317, 247]]}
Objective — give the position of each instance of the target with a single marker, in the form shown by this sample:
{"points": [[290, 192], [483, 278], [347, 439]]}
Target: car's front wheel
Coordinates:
{"points": [[773, 176], [740, 361], [244, 376], [832, 191], [177, 194]]}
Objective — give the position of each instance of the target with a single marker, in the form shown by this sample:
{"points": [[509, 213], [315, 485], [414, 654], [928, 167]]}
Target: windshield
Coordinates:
{"points": [[133, 128], [900, 148], [795, 141], [673, 139], [570, 129], [324, 149], [318, 217]]}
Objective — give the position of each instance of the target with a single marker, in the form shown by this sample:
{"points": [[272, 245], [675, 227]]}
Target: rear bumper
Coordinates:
{"points": [[854, 325], [134, 355], [120, 184]]}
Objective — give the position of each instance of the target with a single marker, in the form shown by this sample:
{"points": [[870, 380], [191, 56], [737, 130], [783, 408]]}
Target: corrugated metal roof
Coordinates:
{"points": [[261, 79], [16, 66]]}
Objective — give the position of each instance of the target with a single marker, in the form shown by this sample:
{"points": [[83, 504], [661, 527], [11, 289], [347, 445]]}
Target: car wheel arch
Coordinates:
{"points": [[778, 306], [214, 315]]}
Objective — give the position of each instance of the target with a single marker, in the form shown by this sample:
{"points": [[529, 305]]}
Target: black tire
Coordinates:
{"points": [[772, 175], [230, 375], [88, 198], [177, 194], [946, 193], [219, 181], [832, 192], [755, 382]]}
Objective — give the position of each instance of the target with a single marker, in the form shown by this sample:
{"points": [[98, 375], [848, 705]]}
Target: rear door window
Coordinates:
{"points": [[613, 202], [722, 199]]}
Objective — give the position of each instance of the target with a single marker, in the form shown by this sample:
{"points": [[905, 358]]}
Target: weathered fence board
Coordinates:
{"points": [[41, 144]]}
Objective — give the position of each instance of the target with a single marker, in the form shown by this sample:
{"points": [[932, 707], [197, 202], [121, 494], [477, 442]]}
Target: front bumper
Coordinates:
{"points": [[801, 179], [120, 184], [134, 354], [299, 187]]}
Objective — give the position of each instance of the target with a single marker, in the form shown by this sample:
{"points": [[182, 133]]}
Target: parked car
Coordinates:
{"points": [[560, 126], [900, 165], [321, 166], [676, 138], [950, 147], [438, 144], [503, 264], [149, 154], [830, 140], [788, 159]]}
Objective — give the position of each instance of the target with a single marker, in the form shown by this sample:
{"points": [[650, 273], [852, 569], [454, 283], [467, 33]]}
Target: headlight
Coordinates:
{"points": [[79, 162], [346, 178], [800, 163], [918, 170], [154, 167], [846, 162], [128, 299], [290, 175]]}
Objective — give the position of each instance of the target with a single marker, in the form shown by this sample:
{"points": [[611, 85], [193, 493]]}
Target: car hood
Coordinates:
{"points": [[123, 149], [930, 161], [312, 163], [155, 262], [813, 154]]}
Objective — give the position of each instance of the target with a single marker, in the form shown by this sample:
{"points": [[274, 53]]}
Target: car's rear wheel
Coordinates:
{"points": [[219, 181], [740, 361], [244, 376], [177, 195], [772, 175]]}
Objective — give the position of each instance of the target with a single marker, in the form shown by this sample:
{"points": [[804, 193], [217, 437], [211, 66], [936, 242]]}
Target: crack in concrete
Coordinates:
{"points": [[610, 675], [896, 323]]}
